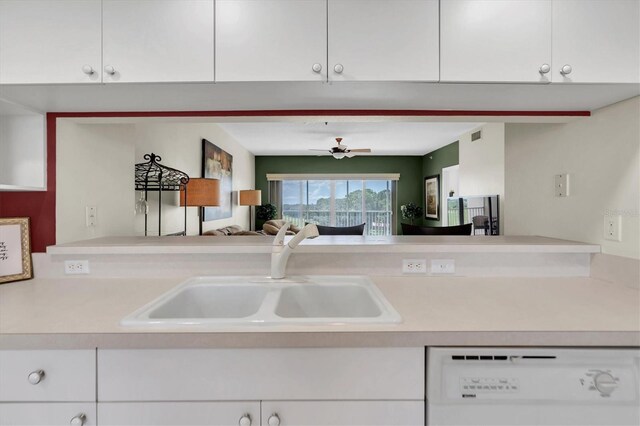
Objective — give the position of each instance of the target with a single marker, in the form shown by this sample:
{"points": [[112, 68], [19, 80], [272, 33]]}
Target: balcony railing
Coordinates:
{"points": [[378, 222]]}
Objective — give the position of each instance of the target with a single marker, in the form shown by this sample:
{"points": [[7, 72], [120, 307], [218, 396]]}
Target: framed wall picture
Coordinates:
{"points": [[15, 249], [218, 164], [432, 197]]}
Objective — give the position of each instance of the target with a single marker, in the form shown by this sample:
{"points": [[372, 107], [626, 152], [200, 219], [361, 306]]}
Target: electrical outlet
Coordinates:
{"points": [[443, 266], [414, 266], [613, 228], [74, 267]]}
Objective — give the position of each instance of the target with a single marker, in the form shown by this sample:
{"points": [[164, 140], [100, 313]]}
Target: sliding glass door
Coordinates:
{"points": [[339, 203]]}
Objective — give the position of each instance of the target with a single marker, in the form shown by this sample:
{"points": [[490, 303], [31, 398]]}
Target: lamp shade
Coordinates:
{"points": [[250, 197], [201, 192]]}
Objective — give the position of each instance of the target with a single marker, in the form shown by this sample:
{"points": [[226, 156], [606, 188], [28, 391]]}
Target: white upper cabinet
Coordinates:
{"points": [[158, 41], [495, 41], [271, 40], [383, 40], [596, 41], [23, 167], [50, 41]]}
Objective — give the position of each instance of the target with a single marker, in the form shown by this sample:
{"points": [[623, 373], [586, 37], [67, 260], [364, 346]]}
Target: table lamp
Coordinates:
{"points": [[250, 197], [201, 193]]}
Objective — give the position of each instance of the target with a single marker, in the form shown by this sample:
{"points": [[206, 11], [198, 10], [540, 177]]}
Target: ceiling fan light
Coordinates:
{"points": [[339, 155]]}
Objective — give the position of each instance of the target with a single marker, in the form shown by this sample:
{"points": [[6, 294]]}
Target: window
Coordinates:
{"points": [[337, 202]]}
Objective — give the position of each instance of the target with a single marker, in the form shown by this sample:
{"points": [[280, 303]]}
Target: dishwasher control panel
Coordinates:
{"points": [[470, 386], [502, 374], [525, 386]]}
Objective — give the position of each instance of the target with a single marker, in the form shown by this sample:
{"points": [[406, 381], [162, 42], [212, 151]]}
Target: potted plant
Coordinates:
{"points": [[264, 213], [411, 211]]}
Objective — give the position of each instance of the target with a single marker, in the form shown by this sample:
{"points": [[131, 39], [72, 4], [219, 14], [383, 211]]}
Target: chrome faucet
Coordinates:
{"points": [[281, 251]]}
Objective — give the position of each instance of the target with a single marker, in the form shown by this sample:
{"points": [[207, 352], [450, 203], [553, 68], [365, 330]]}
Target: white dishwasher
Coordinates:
{"points": [[519, 386]]}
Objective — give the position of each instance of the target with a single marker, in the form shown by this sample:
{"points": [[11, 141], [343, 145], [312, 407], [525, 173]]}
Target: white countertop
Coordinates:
{"points": [[85, 313], [324, 244]]}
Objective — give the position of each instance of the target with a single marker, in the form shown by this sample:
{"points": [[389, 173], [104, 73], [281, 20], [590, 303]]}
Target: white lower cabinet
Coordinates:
{"points": [[180, 413], [343, 413], [310, 386], [48, 414]]}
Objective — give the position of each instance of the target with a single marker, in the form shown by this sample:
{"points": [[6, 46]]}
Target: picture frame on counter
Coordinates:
{"points": [[432, 197], [15, 249]]}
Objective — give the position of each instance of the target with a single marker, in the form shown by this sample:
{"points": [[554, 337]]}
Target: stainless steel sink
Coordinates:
{"points": [[227, 301]]}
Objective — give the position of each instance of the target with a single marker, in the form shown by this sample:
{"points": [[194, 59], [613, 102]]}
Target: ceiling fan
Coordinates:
{"points": [[340, 151]]}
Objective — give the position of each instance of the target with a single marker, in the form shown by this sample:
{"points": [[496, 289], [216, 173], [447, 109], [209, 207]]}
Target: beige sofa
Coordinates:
{"points": [[271, 227], [230, 231]]}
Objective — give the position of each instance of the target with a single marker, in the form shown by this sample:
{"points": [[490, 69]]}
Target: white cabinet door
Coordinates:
{"points": [[24, 153], [598, 39], [271, 40], [495, 40], [383, 40], [158, 41], [344, 413], [50, 41], [178, 413], [46, 414]]}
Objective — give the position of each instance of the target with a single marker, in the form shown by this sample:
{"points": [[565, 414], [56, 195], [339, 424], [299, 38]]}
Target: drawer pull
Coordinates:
{"points": [[274, 420], [36, 377], [78, 420], [245, 420]]}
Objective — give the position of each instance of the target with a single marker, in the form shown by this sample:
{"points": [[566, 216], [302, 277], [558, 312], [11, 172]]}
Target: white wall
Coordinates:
{"points": [[95, 166], [482, 164], [180, 146], [602, 156]]}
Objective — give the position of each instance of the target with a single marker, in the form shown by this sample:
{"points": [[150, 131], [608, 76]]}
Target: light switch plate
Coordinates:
{"points": [[91, 216], [443, 266], [561, 183], [613, 228]]}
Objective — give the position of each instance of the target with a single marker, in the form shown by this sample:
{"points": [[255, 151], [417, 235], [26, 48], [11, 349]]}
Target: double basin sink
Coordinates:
{"points": [[230, 301]]}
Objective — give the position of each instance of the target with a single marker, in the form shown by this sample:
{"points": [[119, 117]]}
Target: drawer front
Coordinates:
{"points": [[69, 375], [345, 413], [177, 413], [256, 374], [45, 414]]}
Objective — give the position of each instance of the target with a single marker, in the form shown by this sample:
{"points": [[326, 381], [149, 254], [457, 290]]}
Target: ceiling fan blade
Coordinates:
{"points": [[320, 150], [349, 154], [361, 150]]}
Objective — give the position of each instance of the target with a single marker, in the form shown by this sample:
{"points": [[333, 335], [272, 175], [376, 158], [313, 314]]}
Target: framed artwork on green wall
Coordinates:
{"points": [[432, 197]]}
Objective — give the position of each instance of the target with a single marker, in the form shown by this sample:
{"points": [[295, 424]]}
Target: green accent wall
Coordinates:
{"points": [[432, 164], [410, 169]]}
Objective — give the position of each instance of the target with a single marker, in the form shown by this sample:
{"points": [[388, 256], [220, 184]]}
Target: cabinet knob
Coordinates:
{"points": [[245, 420], [316, 67], [78, 420], [36, 377], [274, 420], [88, 70], [109, 70], [544, 68], [566, 70], [338, 68]]}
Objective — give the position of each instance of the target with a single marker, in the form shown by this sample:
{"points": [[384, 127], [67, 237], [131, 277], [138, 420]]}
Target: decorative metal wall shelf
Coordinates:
{"points": [[151, 176]]}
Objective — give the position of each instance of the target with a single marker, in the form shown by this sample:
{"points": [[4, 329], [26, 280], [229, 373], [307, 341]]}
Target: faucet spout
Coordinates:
{"points": [[281, 251]]}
